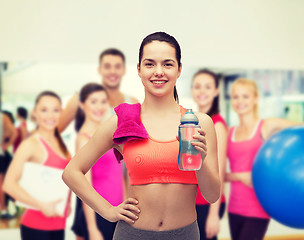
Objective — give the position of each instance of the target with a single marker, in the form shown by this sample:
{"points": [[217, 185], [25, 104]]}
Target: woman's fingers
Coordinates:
{"points": [[201, 138], [131, 201], [202, 132], [126, 219], [131, 215], [128, 211], [199, 145], [132, 208]]}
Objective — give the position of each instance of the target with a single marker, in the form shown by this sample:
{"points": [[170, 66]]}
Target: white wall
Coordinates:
{"points": [[236, 33]]}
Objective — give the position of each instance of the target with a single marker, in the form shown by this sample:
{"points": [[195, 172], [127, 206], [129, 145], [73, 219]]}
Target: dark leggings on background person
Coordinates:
{"points": [[35, 234], [80, 227], [202, 213], [247, 228]]}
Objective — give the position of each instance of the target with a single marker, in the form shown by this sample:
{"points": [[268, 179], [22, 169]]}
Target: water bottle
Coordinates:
{"points": [[189, 159]]}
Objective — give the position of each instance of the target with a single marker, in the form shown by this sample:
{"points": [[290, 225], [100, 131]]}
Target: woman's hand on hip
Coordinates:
{"points": [[126, 211]]}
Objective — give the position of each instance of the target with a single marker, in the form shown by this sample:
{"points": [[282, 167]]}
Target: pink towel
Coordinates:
{"points": [[129, 125]]}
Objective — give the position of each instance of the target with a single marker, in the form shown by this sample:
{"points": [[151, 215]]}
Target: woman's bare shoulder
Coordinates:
{"points": [[204, 119]]}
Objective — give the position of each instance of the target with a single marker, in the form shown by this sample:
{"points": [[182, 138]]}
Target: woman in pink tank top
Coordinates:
{"points": [[106, 175], [205, 93], [247, 218], [44, 147]]}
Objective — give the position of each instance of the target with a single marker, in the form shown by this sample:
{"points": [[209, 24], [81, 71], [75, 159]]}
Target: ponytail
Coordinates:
{"points": [[61, 143], [79, 119], [175, 95]]}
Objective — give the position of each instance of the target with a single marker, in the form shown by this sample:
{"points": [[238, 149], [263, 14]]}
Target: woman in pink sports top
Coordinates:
{"points": [[44, 147], [106, 175], [247, 219], [157, 208], [205, 92]]}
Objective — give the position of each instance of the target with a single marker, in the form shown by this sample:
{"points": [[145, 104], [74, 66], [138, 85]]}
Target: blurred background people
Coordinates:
{"points": [[46, 148], [247, 218], [8, 135], [22, 132], [205, 93], [106, 174]]}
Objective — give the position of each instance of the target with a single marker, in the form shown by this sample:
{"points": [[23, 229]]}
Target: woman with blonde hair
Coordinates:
{"points": [[247, 218]]}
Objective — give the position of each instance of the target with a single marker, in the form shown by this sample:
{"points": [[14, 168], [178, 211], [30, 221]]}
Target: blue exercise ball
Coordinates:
{"points": [[278, 176]]}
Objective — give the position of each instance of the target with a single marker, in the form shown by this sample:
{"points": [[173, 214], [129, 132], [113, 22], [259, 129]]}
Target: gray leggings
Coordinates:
{"points": [[125, 231]]}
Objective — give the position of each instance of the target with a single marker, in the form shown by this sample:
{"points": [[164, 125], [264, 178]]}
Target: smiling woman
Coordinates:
{"points": [[153, 209], [45, 147]]}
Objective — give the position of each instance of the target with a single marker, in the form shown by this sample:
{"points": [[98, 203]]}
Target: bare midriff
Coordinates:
{"points": [[164, 206]]}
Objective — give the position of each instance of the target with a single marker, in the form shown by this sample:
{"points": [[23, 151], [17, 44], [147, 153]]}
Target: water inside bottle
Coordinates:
{"points": [[189, 156], [190, 161]]}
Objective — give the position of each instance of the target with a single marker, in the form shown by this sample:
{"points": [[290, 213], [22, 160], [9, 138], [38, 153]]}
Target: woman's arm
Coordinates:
{"points": [[23, 132], [74, 175], [89, 214], [269, 127], [213, 219], [208, 176], [68, 113], [273, 125], [244, 177], [11, 186]]}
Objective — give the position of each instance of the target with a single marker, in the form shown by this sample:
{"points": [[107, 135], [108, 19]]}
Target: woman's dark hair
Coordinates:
{"points": [[10, 115], [57, 134], [22, 112], [215, 107], [85, 91], [162, 37]]}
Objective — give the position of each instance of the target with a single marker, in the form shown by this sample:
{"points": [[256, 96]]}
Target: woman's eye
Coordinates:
{"points": [[168, 64], [148, 64]]}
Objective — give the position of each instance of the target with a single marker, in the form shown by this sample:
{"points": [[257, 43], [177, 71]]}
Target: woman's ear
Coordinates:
{"points": [[180, 70], [138, 70], [81, 106], [217, 92]]}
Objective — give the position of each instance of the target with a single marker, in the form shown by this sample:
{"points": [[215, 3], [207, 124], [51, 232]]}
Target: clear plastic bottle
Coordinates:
{"points": [[189, 159]]}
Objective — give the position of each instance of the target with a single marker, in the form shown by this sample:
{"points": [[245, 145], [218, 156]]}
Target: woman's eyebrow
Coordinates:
{"points": [[148, 59], [169, 60]]}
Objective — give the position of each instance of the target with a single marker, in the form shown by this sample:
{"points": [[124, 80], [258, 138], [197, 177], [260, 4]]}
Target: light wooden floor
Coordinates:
{"points": [[8, 224]]}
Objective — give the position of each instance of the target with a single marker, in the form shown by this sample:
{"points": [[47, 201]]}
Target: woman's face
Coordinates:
{"points": [[204, 89], [159, 68], [47, 112], [95, 106], [243, 99]]}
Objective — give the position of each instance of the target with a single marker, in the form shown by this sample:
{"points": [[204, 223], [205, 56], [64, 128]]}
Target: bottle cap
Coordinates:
{"points": [[189, 117]]}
